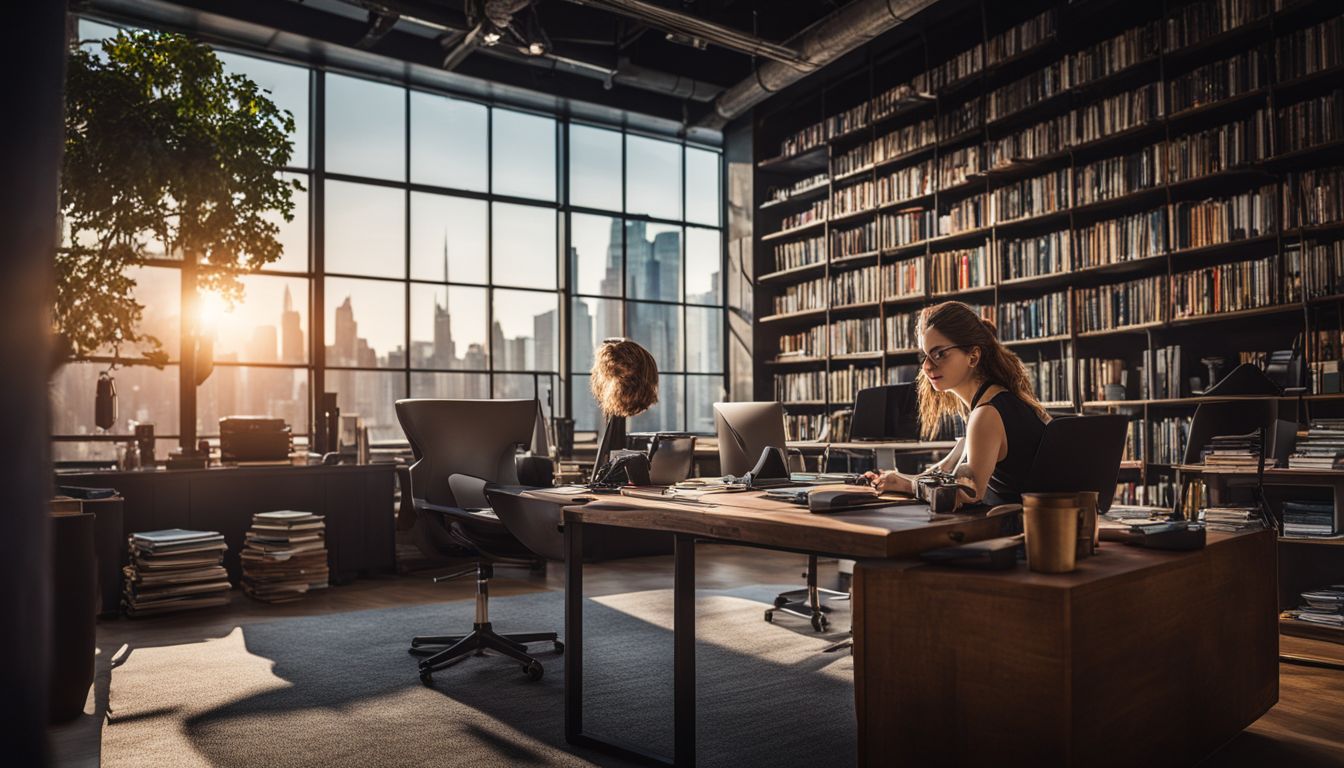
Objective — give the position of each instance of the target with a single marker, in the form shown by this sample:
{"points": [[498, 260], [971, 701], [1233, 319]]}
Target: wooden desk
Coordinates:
{"points": [[356, 500], [740, 518], [1138, 655]]}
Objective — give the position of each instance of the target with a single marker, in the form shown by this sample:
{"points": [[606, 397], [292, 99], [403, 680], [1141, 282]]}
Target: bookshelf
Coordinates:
{"points": [[1141, 182]]}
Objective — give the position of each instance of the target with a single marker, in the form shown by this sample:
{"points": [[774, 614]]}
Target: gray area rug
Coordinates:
{"points": [[340, 690]]}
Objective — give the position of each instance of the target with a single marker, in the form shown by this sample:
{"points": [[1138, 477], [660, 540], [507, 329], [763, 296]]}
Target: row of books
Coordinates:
{"points": [[854, 198], [1227, 288], [1159, 373], [1314, 197], [1143, 497], [1118, 176], [800, 386], [853, 160], [1311, 50], [1312, 122], [780, 194], [858, 286], [1322, 607], [800, 253], [818, 211], [846, 382], [1051, 380], [856, 336], [1169, 436], [1133, 302], [1322, 266], [1295, 55], [1130, 237], [854, 241], [1196, 224], [1034, 256], [801, 297], [1218, 149], [964, 216], [1218, 81], [1324, 352], [1232, 518], [903, 278], [1011, 42], [1035, 318], [1031, 197], [1193, 23], [905, 184], [959, 165], [1103, 378], [960, 270], [804, 426]]}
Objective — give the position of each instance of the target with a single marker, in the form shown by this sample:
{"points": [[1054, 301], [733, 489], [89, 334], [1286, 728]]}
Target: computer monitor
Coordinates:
{"points": [[745, 430], [886, 413]]}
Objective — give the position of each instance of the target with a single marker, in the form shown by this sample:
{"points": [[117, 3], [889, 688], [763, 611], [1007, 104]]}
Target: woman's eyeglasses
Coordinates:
{"points": [[939, 354]]}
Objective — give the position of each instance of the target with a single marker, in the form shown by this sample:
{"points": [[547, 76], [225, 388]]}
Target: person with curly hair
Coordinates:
{"points": [[965, 371], [624, 381]]}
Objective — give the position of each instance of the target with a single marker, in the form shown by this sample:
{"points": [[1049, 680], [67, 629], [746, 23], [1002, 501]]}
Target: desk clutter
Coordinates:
{"points": [[285, 556], [174, 570], [1234, 452], [1309, 519], [1323, 606]]}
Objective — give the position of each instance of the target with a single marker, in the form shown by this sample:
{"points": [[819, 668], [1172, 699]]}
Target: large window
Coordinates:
{"points": [[442, 248]]}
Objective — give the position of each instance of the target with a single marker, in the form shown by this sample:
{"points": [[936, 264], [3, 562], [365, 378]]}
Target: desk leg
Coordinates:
{"points": [[683, 651], [573, 631]]}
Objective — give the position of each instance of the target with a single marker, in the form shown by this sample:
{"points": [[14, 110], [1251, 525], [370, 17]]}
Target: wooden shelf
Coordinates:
{"points": [[797, 271], [801, 314], [1132, 328], [796, 361], [790, 232], [1276, 309], [1313, 631], [1337, 541], [813, 159], [795, 197], [1041, 340]]}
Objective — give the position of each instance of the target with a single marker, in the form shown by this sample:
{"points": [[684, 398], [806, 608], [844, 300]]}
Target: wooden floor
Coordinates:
{"points": [[1305, 729]]}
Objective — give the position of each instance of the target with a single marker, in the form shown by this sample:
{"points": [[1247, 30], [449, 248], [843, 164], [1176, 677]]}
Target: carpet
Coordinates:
{"points": [[340, 689]]}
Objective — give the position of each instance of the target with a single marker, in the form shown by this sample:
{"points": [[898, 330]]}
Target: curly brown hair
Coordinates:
{"points": [[999, 364], [624, 378]]}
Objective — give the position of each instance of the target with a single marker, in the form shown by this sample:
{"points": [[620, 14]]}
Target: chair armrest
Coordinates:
{"points": [[469, 491], [406, 507]]}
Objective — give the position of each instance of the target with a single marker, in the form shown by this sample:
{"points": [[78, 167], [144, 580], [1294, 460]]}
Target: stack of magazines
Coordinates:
{"points": [[1321, 606], [1309, 519], [1233, 452], [1231, 519], [1322, 448], [174, 570], [285, 555]]}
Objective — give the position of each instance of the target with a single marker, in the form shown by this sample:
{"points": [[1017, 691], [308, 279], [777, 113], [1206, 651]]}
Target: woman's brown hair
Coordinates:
{"points": [[624, 378], [999, 365]]}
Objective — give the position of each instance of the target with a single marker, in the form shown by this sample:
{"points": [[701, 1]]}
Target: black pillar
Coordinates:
{"points": [[33, 95]]}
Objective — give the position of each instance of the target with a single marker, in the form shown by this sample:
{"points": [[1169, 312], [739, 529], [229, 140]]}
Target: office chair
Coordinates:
{"points": [[744, 431], [461, 448]]}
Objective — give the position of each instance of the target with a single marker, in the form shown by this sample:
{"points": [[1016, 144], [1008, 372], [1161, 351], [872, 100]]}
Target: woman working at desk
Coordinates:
{"points": [[966, 371]]}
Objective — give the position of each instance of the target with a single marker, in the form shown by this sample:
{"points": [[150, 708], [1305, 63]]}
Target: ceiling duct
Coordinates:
{"points": [[834, 36]]}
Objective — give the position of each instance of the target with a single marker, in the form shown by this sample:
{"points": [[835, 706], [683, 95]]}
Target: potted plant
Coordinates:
{"points": [[163, 146]]}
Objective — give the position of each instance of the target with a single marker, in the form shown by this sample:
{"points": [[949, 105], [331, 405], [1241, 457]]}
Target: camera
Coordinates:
{"points": [[939, 490]]}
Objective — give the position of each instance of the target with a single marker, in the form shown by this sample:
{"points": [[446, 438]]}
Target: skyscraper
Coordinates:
{"points": [[291, 333]]}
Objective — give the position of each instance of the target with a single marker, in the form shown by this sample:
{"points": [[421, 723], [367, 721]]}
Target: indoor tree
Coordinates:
{"points": [[163, 147]]}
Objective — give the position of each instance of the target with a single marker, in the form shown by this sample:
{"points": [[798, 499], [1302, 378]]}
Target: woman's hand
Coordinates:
{"points": [[889, 482]]}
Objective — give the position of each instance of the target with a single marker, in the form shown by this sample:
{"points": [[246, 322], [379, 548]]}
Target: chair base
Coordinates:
{"points": [[445, 650], [807, 603]]}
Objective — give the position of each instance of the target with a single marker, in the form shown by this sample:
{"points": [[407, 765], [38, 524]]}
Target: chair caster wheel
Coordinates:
{"points": [[770, 616], [780, 601], [819, 623], [533, 671], [426, 678], [559, 647]]}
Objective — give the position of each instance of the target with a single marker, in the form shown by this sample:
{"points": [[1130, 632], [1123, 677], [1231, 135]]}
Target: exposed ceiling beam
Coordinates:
{"points": [[379, 25]]}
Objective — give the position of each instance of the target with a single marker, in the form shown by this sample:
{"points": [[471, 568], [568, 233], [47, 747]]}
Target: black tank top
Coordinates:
{"points": [[1023, 429]]}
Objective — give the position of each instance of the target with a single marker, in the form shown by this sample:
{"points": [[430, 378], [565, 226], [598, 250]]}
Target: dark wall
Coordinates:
{"points": [[34, 60]]}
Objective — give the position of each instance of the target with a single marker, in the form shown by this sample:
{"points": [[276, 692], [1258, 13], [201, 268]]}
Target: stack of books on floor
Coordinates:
{"points": [[1231, 519], [1233, 452], [285, 556], [174, 570], [1322, 448], [1321, 606], [1309, 519]]}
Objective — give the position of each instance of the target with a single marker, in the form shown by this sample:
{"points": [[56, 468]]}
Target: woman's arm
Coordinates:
{"points": [[984, 437], [899, 482]]}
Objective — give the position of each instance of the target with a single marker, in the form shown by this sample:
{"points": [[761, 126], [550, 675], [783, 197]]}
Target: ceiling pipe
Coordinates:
{"points": [[685, 24], [834, 36]]}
